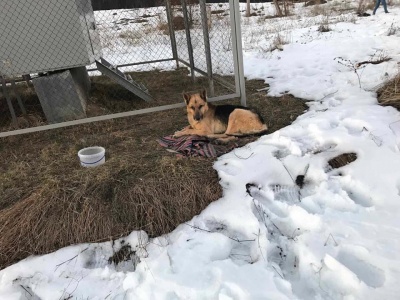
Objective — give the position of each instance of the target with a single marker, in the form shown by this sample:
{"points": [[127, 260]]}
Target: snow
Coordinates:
{"points": [[338, 237]]}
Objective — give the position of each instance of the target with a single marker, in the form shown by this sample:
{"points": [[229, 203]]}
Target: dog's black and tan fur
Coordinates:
{"points": [[222, 122]]}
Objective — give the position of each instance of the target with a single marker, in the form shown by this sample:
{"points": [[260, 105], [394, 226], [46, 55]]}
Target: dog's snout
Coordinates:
{"points": [[197, 117]]}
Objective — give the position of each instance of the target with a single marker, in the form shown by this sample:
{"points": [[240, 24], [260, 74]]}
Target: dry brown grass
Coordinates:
{"points": [[178, 23], [278, 41], [218, 11], [48, 201], [314, 2], [132, 37], [389, 94], [342, 160]]}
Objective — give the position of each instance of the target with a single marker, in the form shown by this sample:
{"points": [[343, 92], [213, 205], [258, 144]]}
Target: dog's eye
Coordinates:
{"points": [[201, 106], [192, 107]]}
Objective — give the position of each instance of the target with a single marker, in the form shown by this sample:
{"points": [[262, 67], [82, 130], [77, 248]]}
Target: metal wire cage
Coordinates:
{"points": [[60, 59]]}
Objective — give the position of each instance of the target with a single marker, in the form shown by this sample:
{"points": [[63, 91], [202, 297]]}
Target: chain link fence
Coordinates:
{"points": [[61, 61]]}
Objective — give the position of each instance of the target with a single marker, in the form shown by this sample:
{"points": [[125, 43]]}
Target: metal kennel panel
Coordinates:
{"points": [[135, 37], [211, 44], [181, 33], [192, 37]]}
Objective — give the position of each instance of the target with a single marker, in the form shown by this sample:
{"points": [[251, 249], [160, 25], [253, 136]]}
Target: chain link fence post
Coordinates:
{"points": [[172, 32], [188, 38], [207, 49]]}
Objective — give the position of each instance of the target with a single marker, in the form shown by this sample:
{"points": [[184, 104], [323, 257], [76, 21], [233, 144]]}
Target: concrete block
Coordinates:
{"points": [[63, 95]]}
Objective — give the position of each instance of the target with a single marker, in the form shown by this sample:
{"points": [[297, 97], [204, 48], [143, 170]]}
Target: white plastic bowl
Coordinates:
{"points": [[92, 156]]}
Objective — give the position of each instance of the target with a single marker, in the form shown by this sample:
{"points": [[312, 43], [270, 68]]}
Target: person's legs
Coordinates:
{"points": [[384, 6], [378, 2]]}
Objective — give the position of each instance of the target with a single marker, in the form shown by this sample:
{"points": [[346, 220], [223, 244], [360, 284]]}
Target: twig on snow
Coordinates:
{"points": [[209, 231], [241, 157], [25, 290], [330, 236], [277, 272], [258, 242], [375, 62], [330, 94], [70, 259]]}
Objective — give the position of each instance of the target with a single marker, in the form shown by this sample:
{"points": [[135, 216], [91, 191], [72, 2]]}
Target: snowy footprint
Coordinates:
{"points": [[336, 279], [229, 167], [323, 148], [356, 192], [288, 194], [275, 192], [230, 291], [94, 257], [242, 249], [398, 188], [356, 260], [354, 126], [267, 201], [281, 153]]}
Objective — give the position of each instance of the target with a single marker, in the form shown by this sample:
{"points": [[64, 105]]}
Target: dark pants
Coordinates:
{"points": [[378, 2]]}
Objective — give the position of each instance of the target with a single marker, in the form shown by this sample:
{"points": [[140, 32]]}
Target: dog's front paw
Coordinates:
{"points": [[224, 141], [178, 134], [182, 132]]}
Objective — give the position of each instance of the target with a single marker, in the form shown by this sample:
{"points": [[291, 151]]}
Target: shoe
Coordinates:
{"points": [[386, 12]]}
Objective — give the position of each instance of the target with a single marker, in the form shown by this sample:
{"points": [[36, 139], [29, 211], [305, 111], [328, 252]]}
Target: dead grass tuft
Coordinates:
{"points": [[318, 10], [218, 11], [61, 203], [389, 93], [132, 37], [278, 42], [342, 160], [314, 2], [178, 23], [324, 28], [123, 254]]}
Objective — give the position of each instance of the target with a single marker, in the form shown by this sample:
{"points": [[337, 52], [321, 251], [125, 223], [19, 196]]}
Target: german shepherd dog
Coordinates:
{"points": [[221, 122]]}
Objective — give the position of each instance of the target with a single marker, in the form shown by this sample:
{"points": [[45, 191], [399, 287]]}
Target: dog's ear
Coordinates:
{"points": [[186, 97], [203, 94]]}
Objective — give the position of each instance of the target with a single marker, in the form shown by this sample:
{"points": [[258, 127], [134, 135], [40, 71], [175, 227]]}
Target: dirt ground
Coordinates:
{"points": [[48, 201]]}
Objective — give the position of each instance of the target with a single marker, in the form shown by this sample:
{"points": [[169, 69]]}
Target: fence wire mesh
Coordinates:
{"points": [[160, 51]]}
